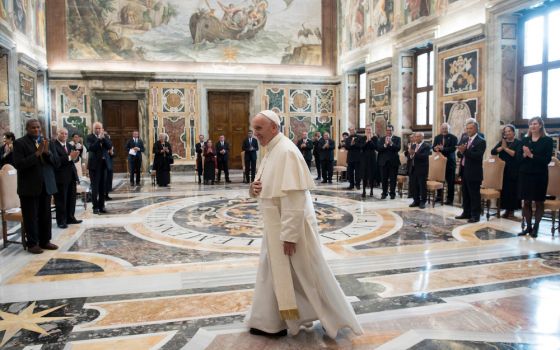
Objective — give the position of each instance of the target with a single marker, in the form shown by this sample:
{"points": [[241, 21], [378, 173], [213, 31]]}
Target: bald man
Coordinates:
{"points": [[294, 283]]}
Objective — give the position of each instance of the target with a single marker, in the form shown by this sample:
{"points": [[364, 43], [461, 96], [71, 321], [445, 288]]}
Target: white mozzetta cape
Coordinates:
{"points": [[288, 215]]}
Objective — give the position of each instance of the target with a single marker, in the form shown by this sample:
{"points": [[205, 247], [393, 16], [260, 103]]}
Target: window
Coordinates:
{"points": [[539, 68], [362, 108], [424, 88]]}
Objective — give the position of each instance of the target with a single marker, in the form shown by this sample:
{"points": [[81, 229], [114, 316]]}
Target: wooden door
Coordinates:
{"points": [[120, 119], [228, 115]]}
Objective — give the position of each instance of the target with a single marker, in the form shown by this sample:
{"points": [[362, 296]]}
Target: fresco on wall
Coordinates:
{"points": [[380, 95], [275, 99], [4, 121], [461, 73], [300, 100], [4, 9], [27, 92], [415, 9], [355, 24], [73, 99], [20, 19], [298, 125], [325, 99], [4, 83], [75, 124], [40, 24], [239, 31], [457, 112], [382, 16], [176, 129]]}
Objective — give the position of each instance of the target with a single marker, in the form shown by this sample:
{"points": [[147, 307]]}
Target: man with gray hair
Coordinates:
{"points": [[418, 154], [294, 283], [471, 150], [98, 145], [446, 144]]}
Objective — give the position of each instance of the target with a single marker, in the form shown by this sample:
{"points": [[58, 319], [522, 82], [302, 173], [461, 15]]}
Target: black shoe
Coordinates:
{"points": [[255, 331], [132, 184], [107, 198], [383, 196], [357, 187], [138, 184], [74, 221], [462, 216], [422, 205], [535, 231], [448, 202], [62, 226], [351, 187], [392, 196], [96, 211], [228, 182], [324, 181], [414, 204], [437, 199], [473, 220], [103, 211], [35, 249], [330, 181], [317, 178]]}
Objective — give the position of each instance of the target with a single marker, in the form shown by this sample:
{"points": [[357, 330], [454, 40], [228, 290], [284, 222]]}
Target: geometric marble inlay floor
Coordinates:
{"points": [[174, 268]]}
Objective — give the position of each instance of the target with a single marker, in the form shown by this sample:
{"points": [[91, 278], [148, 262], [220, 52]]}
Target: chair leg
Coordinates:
{"points": [[499, 205], [552, 229], [488, 209], [4, 232], [443, 195]]}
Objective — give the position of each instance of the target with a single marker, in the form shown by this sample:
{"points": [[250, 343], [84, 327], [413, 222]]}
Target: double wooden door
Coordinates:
{"points": [[228, 115], [120, 119]]}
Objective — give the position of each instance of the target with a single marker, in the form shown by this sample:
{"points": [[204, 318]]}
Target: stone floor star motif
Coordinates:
{"points": [[26, 319]]}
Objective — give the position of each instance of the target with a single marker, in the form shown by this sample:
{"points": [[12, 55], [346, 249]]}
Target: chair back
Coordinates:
{"points": [[554, 178], [493, 173], [243, 160], [79, 169], [342, 158], [437, 164], [9, 198]]}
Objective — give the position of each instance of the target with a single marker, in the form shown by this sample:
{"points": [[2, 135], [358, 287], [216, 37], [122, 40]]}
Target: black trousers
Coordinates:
{"points": [[223, 165], [389, 179], [36, 212], [108, 181], [318, 166], [327, 169], [471, 198], [199, 166], [417, 183], [308, 162], [450, 169], [134, 165], [65, 202], [250, 168], [353, 174], [97, 177]]}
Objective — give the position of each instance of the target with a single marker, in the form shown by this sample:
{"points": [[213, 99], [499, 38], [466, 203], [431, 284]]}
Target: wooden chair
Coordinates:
{"points": [[83, 187], [553, 189], [9, 203], [341, 163], [402, 179], [436, 177], [492, 180]]}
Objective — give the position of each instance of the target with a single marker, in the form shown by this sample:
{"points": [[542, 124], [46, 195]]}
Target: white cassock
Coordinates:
{"points": [[288, 215]]}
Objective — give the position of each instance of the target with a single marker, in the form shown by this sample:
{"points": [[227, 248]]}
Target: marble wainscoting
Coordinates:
{"points": [[174, 268]]}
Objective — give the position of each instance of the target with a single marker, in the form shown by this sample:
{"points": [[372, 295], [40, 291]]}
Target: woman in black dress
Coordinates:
{"points": [[534, 157], [369, 161], [7, 149], [163, 158], [508, 149], [209, 163]]}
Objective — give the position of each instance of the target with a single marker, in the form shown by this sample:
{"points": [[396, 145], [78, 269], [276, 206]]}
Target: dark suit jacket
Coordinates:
{"points": [[472, 171], [97, 150], [34, 172], [420, 161], [222, 157], [130, 144], [66, 170], [388, 155], [251, 155], [6, 159], [355, 150], [308, 150], [326, 153], [449, 147]]}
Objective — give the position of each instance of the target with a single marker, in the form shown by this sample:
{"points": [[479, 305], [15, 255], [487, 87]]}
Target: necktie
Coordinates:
{"points": [[65, 149], [36, 144], [468, 146], [443, 140]]}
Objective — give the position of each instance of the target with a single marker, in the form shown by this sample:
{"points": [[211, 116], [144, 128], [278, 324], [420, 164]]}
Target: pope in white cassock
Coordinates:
{"points": [[294, 284]]}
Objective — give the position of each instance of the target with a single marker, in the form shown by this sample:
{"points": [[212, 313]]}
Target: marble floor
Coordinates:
{"points": [[174, 268]]}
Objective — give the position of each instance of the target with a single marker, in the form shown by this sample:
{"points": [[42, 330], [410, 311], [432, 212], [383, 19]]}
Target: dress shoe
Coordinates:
{"points": [[535, 232], [414, 204], [462, 216], [526, 231], [255, 331], [422, 205], [383, 196], [62, 226], [448, 202], [107, 198], [350, 187], [74, 221], [228, 182], [507, 214], [392, 196], [49, 246], [132, 184], [324, 181], [138, 184], [330, 181], [473, 220], [96, 211], [103, 211], [357, 187], [35, 249], [317, 178], [438, 199]]}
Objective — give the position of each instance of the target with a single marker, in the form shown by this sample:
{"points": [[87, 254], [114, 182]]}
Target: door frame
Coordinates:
{"points": [[97, 97]]}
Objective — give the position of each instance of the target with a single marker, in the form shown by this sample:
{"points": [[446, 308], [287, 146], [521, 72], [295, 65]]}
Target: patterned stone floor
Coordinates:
{"points": [[174, 268]]}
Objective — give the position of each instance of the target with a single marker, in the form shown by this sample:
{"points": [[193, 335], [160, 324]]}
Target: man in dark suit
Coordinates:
{"points": [[66, 179], [222, 148], [419, 153], [354, 145], [472, 150], [135, 148], [388, 148], [110, 173], [35, 159], [305, 145], [446, 144], [98, 161], [250, 146], [199, 149], [317, 153], [326, 154]]}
